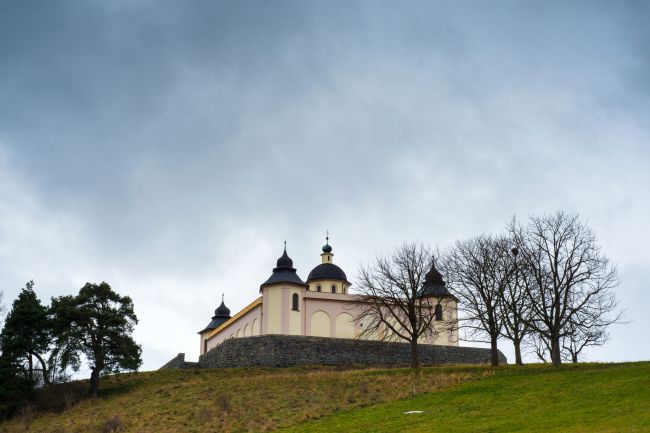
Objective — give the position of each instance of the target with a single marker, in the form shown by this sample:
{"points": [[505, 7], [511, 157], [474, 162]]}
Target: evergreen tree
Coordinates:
{"points": [[26, 335], [15, 389], [97, 323]]}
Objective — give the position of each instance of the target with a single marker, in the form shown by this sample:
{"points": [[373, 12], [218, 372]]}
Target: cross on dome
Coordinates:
{"points": [[327, 248]]}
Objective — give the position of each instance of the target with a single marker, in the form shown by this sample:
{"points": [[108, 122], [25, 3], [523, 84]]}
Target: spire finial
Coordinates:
{"points": [[285, 245], [327, 249], [222, 297]]}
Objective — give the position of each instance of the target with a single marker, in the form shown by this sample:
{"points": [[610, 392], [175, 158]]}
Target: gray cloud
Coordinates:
{"points": [[169, 147]]}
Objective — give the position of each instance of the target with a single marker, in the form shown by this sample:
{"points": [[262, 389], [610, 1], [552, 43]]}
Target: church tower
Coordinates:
{"points": [[282, 299]]}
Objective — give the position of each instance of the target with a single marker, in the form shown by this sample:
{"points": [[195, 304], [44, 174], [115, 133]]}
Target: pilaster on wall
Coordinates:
{"points": [[265, 312], [284, 311], [303, 313]]}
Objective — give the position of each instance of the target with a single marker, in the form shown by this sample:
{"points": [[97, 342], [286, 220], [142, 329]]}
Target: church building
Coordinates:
{"points": [[321, 306]]}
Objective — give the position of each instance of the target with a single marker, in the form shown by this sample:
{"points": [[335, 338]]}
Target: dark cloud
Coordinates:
{"points": [[170, 146]]}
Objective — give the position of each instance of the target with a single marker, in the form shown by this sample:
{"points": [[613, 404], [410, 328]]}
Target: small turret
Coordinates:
{"points": [[327, 254], [221, 316]]}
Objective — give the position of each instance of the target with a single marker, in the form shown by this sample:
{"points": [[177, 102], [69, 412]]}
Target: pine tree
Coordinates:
{"points": [[97, 323], [15, 389], [26, 335]]}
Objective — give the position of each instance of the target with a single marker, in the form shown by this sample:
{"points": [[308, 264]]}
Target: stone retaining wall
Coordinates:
{"points": [[179, 362], [288, 350]]}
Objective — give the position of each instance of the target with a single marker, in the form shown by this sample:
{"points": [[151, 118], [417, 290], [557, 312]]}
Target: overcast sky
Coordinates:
{"points": [[169, 147]]}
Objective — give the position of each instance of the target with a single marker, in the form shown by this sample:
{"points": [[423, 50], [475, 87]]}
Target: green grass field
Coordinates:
{"points": [[582, 398]]}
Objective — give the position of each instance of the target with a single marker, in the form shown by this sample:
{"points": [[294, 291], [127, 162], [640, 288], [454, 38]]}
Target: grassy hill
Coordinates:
{"points": [[582, 398]]}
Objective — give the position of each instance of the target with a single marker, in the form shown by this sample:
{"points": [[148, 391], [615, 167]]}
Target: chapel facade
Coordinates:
{"points": [[321, 306]]}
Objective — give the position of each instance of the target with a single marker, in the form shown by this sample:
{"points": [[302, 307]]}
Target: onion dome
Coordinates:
{"points": [[221, 316], [327, 248], [222, 310], [284, 272], [434, 285], [434, 277], [284, 261]]}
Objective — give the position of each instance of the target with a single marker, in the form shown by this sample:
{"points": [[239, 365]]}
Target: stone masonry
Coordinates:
{"points": [[179, 362], [288, 350]]}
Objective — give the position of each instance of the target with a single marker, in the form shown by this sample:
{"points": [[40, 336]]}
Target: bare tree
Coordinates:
{"points": [[515, 306], [578, 338], [538, 346], [569, 276], [479, 270], [590, 325], [402, 297]]}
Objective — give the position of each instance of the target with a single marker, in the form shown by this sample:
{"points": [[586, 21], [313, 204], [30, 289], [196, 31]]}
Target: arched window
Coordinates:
{"points": [[333, 288], [318, 288], [438, 312], [294, 302]]}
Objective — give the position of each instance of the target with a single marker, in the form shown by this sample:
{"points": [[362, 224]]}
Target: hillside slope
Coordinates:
{"points": [[574, 398], [228, 400], [582, 398]]}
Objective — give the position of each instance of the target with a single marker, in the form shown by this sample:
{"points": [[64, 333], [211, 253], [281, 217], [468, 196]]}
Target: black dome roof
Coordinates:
{"points": [[433, 284], [284, 272], [327, 248], [433, 277], [221, 316], [284, 261], [327, 271], [222, 310]]}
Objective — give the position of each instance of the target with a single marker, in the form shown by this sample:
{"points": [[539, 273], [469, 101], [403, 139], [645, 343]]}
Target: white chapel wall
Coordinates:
{"points": [[295, 316], [339, 310], [273, 307], [320, 324], [344, 326]]}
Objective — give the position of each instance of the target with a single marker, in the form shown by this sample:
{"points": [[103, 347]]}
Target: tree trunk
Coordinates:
{"points": [[518, 360], [93, 388], [574, 357], [495, 351], [31, 369], [556, 356], [46, 376], [414, 354]]}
